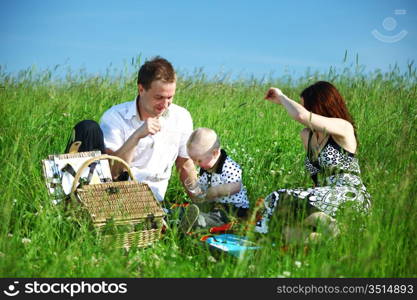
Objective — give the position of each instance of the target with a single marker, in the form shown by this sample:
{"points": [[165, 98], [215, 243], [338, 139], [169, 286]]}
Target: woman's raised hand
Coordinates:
{"points": [[274, 95]]}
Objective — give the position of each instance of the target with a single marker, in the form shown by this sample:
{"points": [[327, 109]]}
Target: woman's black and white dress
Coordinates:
{"points": [[341, 183]]}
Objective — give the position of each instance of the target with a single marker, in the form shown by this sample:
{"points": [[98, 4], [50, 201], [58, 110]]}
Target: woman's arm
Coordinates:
{"points": [[333, 126]]}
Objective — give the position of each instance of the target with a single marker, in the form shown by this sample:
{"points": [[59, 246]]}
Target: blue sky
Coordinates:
{"points": [[241, 37]]}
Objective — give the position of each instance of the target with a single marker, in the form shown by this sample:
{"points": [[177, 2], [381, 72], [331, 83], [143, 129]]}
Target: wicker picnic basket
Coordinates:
{"points": [[125, 213]]}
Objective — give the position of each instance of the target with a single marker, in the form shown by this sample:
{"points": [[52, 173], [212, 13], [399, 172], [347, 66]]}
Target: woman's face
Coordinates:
{"points": [[302, 101]]}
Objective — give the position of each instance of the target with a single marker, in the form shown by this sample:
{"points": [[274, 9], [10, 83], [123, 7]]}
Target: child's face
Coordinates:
{"points": [[205, 160]]}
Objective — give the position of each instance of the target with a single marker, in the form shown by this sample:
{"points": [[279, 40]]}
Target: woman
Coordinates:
{"points": [[330, 141]]}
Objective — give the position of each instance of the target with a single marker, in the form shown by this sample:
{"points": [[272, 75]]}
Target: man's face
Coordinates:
{"points": [[156, 100]]}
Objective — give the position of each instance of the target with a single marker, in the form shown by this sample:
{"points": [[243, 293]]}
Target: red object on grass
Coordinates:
{"points": [[205, 237], [175, 205], [222, 228]]}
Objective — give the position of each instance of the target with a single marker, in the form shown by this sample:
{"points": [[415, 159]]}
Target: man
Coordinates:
{"points": [[150, 132]]}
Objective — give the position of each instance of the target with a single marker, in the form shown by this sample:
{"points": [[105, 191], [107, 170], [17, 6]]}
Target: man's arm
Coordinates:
{"points": [[186, 169], [127, 150]]}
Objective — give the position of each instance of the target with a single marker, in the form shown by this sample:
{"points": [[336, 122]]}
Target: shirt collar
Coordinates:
{"points": [[222, 159], [131, 109]]}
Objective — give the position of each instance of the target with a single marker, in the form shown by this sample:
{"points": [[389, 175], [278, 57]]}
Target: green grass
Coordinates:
{"points": [[38, 239]]}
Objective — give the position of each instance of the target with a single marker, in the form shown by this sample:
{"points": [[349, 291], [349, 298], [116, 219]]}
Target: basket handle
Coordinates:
{"points": [[93, 159]]}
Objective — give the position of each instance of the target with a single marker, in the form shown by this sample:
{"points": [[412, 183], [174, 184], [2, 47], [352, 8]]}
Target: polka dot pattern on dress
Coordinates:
{"points": [[231, 172]]}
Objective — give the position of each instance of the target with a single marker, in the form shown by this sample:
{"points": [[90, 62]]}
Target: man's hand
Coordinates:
{"points": [[150, 126], [186, 169], [127, 151]]}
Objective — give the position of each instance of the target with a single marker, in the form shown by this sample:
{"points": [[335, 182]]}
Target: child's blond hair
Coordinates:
{"points": [[203, 139]]}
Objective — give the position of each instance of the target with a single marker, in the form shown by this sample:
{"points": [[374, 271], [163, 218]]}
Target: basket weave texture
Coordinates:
{"points": [[120, 201], [126, 203], [125, 213], [87, 155]]}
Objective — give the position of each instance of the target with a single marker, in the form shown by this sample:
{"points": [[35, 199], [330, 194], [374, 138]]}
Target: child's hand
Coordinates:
{"points": [[211, 194], [201, 198]]}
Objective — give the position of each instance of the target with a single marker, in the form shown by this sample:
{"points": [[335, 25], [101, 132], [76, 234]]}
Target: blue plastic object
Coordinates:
{"points": [[231, 243]]}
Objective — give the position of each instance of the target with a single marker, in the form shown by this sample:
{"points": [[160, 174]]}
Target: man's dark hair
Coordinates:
{"points": [[157, 68]]}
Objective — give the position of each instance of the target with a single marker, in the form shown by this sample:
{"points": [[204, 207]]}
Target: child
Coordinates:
{"points": [[222, 192]]}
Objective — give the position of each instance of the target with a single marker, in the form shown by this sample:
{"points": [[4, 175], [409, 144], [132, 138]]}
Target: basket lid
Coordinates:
{"points": [[120, 201]]}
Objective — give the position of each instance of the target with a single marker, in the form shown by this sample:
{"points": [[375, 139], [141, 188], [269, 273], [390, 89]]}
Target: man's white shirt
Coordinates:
{"points": [[155, 154]]}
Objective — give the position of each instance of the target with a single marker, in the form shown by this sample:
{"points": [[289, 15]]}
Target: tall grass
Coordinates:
{"points": [[38, 239]]}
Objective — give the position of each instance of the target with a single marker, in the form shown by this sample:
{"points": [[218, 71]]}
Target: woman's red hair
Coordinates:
{"points": [[324, 99]]}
